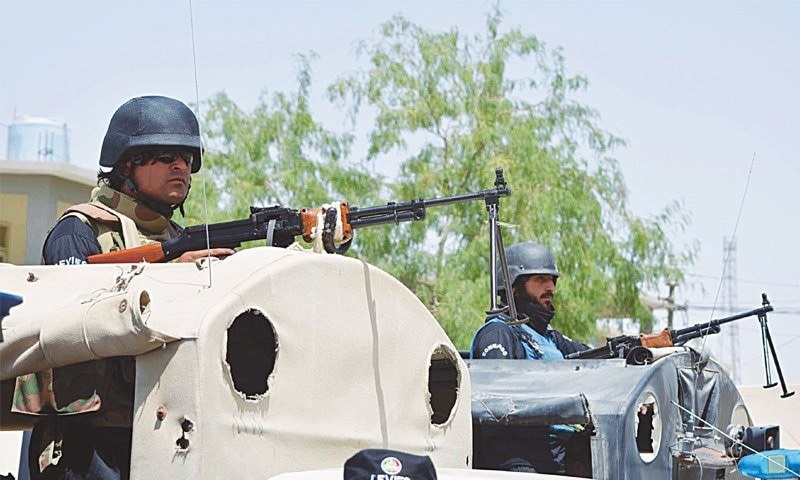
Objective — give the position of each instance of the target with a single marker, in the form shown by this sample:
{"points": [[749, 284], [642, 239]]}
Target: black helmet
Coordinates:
{"points": [[151, 121], [529, 258]]}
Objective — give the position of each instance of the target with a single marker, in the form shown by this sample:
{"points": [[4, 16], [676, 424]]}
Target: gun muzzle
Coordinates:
{"points": [[639, 356]]}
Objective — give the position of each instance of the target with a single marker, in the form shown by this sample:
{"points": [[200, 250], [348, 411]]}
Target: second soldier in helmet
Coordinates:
{"points": [[534, 275]]}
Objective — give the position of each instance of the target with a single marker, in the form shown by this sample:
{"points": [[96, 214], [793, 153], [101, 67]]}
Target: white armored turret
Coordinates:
{"points": [[289, 361]]}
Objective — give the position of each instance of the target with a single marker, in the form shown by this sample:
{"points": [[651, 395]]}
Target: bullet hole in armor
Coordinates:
{"points": [[182, 443], [187, 425], [250, 354], [144, 301], [443, 380]]}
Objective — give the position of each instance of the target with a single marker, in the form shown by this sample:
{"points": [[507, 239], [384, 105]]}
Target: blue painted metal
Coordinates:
{"points": [[773, 464], [7, 300]]}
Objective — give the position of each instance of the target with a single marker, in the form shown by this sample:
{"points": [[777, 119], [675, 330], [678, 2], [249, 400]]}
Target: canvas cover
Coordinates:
{"points": [[607, 394], [73, 314], [352, 353]]}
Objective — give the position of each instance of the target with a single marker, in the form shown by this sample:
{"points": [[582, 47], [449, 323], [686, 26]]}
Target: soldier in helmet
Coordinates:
{"points": [[149, 152], [533, 274]]}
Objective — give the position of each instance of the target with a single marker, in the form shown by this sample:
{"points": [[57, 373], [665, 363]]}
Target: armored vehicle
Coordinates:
{"points": [[279, 360]]}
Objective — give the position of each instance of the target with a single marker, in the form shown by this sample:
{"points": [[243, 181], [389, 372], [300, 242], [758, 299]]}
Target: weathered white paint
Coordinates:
{"points": [[354, 348]]}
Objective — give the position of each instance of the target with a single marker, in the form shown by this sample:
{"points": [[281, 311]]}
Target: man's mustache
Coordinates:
{"points": [[178, 178]]}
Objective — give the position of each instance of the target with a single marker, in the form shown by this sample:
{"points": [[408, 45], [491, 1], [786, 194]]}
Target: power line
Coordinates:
{"points": [[777, 311], [755, 282], [787, 342]]}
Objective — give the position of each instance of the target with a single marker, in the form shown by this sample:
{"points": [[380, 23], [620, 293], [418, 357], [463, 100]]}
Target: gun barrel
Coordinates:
{"points": [[609, 350], [599, 352], [468, 197], [683, 335], [680, 339], [393, 213], [388, 218]]}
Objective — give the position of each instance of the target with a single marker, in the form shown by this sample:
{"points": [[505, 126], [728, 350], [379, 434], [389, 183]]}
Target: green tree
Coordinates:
{"points": [[278, 154], [445, 109], [451, 108]]}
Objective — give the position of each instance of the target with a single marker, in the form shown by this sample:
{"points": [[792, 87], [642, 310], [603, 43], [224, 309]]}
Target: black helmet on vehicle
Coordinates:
{"points": [[528, 258], [151, 121]]}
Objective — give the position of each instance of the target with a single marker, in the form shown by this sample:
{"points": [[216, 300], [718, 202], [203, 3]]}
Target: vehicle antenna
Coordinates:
{"points": [[697, 365], [732, 242], [200, 129]]}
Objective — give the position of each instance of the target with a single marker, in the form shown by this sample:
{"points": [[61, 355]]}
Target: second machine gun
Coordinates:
{"points": [[635, 348]]}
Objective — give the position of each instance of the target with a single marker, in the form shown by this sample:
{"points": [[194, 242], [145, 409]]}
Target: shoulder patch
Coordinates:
{"points": [[494, 346], [71, 261]]}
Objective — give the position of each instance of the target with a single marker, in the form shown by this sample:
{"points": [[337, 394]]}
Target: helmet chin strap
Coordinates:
{"points": [[158, 207], [180, 205], [129, 184]]}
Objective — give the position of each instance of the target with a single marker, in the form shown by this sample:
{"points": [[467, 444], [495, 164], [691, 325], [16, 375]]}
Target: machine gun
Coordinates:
{"points": [[635, 349], [279, 226]]}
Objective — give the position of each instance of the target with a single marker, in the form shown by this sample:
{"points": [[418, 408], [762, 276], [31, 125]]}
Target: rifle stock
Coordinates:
{"points": [[147, 253]]}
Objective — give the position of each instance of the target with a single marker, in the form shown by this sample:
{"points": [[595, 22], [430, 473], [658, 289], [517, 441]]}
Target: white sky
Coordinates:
{"points": [[696, 89]]}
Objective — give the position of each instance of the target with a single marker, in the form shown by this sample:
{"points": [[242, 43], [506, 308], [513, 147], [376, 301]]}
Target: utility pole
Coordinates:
{"points": [[662, 303], [731, 340], [671, 303]]}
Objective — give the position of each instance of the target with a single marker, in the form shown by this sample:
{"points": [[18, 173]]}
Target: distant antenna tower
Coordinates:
{"points": [[46, 141], [731, 340], [37, 139]]}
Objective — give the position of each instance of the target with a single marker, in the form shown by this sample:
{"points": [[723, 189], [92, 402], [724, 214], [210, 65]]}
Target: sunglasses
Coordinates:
{"points": [[150, 157]]}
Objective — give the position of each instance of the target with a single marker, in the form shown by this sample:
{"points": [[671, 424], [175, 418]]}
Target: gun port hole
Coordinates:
{"points": [[648, 427], [250, 354], [443, 381]]}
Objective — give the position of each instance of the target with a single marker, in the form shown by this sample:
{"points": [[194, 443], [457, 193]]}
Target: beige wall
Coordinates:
{"points": [[14, 215], [48, 189], [62, 206]]}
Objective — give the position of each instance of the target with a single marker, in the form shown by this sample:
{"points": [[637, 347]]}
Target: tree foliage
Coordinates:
{"points": [[278, 154], [446, 108]]}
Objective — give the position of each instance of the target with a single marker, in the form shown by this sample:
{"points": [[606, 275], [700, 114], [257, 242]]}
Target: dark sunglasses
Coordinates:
{"points": [[150, 157]]}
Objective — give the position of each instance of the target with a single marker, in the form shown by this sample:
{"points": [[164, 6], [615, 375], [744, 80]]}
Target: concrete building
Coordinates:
{"points": [[32, 195]]}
